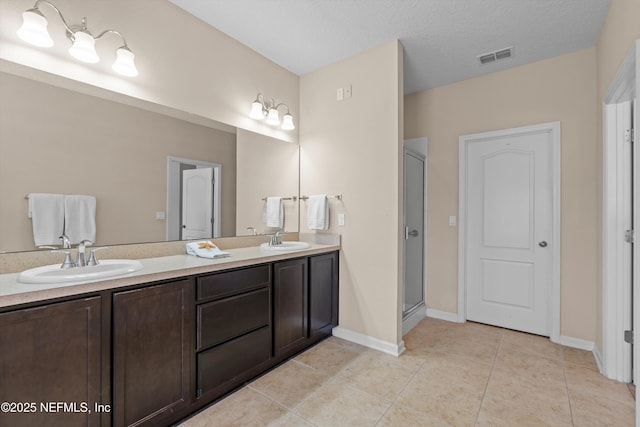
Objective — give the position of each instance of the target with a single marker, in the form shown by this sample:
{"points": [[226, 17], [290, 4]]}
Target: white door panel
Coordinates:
{"points": [[509, 227], [197, 206]]}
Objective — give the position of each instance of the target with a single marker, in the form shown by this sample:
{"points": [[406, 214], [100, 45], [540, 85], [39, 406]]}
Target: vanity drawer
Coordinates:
{"points": [[232, 282], [221, 320], [223, 363]]}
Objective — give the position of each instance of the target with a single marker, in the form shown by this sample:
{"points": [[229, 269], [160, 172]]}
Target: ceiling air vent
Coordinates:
{"points": [[496, 55]]}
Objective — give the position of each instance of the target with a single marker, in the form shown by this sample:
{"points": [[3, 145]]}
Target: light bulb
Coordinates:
{"points": [[272, 117], [287, 122], [84, 47], [256, 110], [34, 29], [124, 62]]}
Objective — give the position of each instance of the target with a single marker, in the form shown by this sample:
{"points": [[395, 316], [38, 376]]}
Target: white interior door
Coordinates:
{"points": [[197, 203], [414, 231], [509, 226]]}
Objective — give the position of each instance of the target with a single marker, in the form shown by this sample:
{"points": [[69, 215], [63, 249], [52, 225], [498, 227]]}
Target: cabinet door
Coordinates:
{"points": [[51, 355], [290, 298], [152, 339], [323, 285]]}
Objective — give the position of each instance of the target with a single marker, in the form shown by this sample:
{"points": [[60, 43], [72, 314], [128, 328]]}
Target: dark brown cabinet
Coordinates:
{"points": [[323, 294], [152, 353], [233, 329], [290, 306], [51, 355]]}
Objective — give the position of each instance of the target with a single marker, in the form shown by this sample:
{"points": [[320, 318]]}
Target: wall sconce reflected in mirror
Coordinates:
{"points": [[261, 110], [34, 31]]}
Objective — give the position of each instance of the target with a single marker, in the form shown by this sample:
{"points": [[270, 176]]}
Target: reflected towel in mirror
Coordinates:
{"points": [[46, 211], [80, 218]]}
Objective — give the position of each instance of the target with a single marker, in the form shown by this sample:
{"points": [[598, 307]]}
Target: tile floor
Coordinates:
{"points": [[450, 375]]}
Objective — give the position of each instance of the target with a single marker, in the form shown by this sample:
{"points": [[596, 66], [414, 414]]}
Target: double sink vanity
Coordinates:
{"points": [[153, 345]]}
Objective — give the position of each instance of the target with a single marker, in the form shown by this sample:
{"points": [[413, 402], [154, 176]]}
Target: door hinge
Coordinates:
{"points": [[628, 337], [630, 236], [630, 135]]}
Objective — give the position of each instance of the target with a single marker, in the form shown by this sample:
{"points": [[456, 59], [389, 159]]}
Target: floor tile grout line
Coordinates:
{"points": [[395, 399], [566, 384], [332, 378], [486, 386]]}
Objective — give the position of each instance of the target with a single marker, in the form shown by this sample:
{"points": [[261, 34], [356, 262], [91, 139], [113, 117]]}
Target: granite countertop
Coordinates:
{"points": [[13, 292]]}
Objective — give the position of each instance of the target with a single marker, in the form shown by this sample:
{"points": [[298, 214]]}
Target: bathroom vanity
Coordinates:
{"points": [[156, 346]]}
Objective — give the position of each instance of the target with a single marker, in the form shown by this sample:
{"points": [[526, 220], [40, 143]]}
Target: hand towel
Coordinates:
{"points": [[47, 216], [274, 212], [80, 218], [318, 212], [205, 250]]}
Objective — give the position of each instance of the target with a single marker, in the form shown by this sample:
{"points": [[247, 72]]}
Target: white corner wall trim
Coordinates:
{"points": [[598, 356], [577, 343], [412, 320], [368, 341], [443, 315]]}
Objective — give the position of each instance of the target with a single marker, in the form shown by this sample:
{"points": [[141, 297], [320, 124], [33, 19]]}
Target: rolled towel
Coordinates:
{"points": [[206, 249]]}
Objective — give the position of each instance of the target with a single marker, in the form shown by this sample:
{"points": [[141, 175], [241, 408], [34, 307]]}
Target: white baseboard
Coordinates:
{"points": [[413, 319], [577, 343], [367, 341], [442, 315]]}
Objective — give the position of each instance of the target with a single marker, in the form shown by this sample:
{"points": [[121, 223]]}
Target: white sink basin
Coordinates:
{"points": [[285, 247], [54, 274]]}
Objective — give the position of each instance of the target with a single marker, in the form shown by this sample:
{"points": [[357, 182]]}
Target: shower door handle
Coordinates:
{"points": [[413, 233]]}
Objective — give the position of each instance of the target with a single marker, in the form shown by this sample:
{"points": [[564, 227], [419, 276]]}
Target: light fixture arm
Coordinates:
{"points": [[113, 32], [53, 6]]}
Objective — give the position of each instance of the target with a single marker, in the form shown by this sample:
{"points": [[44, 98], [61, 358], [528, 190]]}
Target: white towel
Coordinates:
{"points": [[318, 212], [47, 216], [205, 250], [80, 218], [274, 212]]}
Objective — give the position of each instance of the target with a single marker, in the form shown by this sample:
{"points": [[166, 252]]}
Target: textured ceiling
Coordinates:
{"points": [[441, 38]]}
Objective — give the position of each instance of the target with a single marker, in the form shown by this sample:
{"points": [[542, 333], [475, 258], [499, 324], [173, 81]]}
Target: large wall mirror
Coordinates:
{"points": [[57, 140]]}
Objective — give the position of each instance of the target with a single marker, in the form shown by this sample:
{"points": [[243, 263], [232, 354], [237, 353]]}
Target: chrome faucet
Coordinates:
{"points": [[81, 252], [66, 243], [276, 239]]}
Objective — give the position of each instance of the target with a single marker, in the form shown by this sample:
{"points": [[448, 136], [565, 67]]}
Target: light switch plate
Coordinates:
{"points": [[452, 221], [341, 219]]}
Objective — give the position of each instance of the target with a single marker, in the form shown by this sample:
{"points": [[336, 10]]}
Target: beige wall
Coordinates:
{"points": [[183, 62], [558, 89], [266, 167], [53, 140], [353, 147], [620, 31]]}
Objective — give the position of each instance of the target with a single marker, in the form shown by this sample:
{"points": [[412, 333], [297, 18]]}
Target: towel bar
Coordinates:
{"points": [[294, 198], [337, 197]]}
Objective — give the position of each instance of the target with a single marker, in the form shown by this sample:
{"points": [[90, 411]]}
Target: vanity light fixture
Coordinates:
{"points": [[34, 31], [261, 110]]}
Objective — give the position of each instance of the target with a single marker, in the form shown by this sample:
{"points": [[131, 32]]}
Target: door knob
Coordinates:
{"points": [[542, 244]]}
